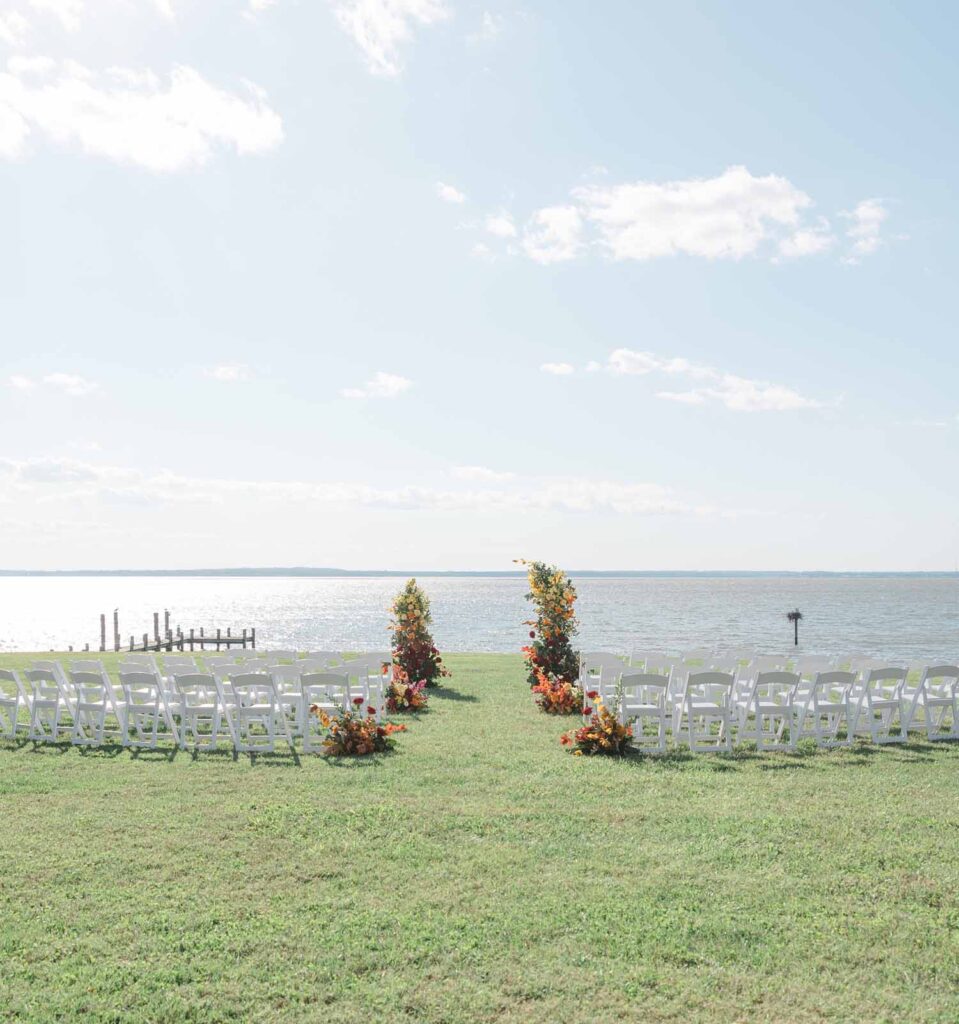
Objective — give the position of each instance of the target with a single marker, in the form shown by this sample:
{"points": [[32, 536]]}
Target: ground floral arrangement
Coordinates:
{"points": [[413, 648], [417, 665], [554, 668], [353, 733]]}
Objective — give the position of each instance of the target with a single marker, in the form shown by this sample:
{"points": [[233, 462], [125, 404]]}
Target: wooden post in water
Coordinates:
{"points": [[156, 626], [116, 630], [131, 641], [253, 638], [103, 632], [191, 638], [217, 637], [166, 621], [244, 639], [146, 637]]}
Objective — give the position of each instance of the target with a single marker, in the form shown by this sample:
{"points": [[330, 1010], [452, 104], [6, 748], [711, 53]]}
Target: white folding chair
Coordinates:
{"points": [[201, 714], [322, 657], [824, 711], [643, 703], [286, 679], [276, 657], [43, 695], [146, 709], [256, 714], [12, 696], [325, 691], [95, 703], [878, 708], [766, 712], [937, 696], [705, 712]]}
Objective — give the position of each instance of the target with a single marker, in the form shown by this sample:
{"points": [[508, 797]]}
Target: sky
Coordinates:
{"points": [[439, 284]]}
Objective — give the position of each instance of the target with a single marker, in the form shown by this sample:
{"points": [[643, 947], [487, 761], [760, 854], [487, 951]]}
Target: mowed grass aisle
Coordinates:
{"points": [[479, 873]]}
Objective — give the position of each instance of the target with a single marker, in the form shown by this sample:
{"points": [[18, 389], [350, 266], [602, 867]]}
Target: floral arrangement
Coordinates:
{"points": [[557, 696], [551, 652], [413, 648], [602, 733], [402, 695], [354, 734]]}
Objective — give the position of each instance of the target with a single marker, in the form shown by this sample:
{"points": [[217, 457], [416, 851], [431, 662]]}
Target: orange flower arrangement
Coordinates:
{"points": [[353, 734], [602, 733], [551, 652], [557, 696], [413, 647], [402, 695]]}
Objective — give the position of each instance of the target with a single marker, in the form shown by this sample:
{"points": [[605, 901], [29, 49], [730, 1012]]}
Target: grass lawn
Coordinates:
{"points": [[478, 874]]}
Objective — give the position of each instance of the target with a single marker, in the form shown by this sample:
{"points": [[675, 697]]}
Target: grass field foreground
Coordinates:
{"points": [[479, 873]]}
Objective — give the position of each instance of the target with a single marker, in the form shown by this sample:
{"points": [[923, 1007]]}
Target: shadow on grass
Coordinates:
{"points": [[448, 693]]}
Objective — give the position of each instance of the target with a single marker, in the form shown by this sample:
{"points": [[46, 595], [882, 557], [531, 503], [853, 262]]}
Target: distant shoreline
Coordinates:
{"points": [[325, 573]]}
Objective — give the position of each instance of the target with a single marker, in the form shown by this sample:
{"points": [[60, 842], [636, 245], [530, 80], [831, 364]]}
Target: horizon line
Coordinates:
{"points": [[328, 571]]}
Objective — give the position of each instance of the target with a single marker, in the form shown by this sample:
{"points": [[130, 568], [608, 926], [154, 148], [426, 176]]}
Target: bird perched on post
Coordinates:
{"points": [[794, 618]]}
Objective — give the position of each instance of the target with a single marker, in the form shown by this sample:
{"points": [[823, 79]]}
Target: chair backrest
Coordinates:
{"points": [[92, 687], [711, 686], [172, 662], [43, 683], [87, 665], [325, 688], [767, 663], [141, 689], [133, 666], [253, 688], [196, 688], [144, 662], [714, 663], [775, 686], [10, 675], [941, 675], [50, 666], [812, 664], [885, 682], [598, 661], [275, 657], [325, 657], [643, 688], [832, 687], [697, 654]]}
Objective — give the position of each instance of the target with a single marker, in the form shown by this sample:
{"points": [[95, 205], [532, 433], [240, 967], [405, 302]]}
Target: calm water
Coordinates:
{"points": [[892, 617]]}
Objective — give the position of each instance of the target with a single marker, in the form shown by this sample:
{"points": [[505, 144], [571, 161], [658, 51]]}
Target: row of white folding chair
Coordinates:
{"points": [[831, 710]]}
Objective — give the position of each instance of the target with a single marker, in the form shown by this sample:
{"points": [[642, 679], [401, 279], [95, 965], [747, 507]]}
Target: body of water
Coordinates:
{"points": [[892, 617]]}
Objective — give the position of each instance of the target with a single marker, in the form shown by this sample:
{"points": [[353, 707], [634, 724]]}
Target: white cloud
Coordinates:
{"points": [[381, 27], [449, 194], [14, 28], [740, 394], [257, 7], [382, 385], [491, 26], [67, 12], [480, 473], [53, 480], [553, 234], [229, 373], [129, 116], [727, 217], [865, 228], [21, 383], [733, 216], [70, 384], [558, 369], [807, 242], [501, 225]]}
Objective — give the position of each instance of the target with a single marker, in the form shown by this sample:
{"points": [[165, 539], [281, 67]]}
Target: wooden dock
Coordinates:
{"points": [[177, 639]]}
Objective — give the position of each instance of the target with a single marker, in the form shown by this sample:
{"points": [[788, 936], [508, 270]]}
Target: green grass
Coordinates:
{"points": [[479, 874]]}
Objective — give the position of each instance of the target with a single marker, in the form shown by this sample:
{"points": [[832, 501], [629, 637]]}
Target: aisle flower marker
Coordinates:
{"points": [[551, 662], [602, 733], [353, 733], [402, 695], [414, 651]]}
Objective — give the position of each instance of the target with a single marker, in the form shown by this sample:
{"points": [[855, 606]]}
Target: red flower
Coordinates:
{"points": [[592, 694], [357, 701], [371, 711], [532, 634]]}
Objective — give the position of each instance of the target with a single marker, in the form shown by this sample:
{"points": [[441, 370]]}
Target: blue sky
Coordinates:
{"points": [[438, 284]]}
